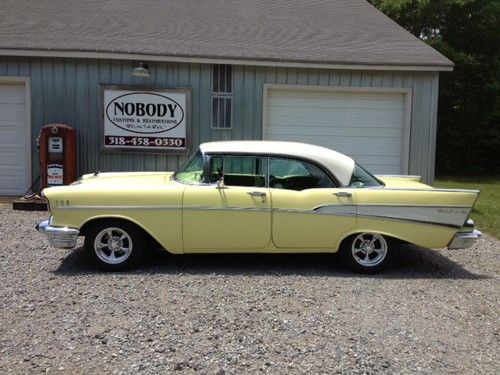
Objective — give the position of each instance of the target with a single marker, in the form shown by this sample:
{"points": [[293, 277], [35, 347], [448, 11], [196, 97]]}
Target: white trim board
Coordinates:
{"points": [[208, 60], [27, 89]]}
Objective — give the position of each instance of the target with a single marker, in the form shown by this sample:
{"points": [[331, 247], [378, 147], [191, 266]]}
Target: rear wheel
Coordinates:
{"points": [[368, 252], [115, 245]]}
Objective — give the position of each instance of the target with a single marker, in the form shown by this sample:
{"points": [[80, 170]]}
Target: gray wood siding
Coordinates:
{"points": [[68, 91]]}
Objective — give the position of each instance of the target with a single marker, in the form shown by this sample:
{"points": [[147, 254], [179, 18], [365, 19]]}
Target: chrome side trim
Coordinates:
{"points": [[331, 212], [449, 216], [143, 207], [61, 237], [164, 207], [464, 240], [432, 190], [426, 222], [213, 208], [336, 209]]}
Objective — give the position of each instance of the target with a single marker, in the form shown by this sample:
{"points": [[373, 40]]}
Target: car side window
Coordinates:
{"points": [[192, 171], [297, 175], [238, 170]]}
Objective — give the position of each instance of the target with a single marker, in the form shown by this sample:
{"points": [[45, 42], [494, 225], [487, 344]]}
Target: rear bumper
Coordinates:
{"points": [[64, 238], [464, 240]]}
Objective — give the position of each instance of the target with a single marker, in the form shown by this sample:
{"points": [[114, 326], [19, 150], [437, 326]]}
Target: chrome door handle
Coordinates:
{"points": [[343, 194], [256, 193]]}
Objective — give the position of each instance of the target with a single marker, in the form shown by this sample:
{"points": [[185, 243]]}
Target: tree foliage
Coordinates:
{"points": [[468, 33]]}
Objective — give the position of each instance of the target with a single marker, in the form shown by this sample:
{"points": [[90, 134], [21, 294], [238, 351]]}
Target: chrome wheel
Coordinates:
{"points": [[113, 245], [369, 249]]}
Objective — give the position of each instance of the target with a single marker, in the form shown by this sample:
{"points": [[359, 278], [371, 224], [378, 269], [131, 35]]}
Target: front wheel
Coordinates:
{"points": [[368, 252], [115, 245]]}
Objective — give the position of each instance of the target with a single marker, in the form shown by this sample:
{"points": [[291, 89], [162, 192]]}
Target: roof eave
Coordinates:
{"points": [[220, 60]]}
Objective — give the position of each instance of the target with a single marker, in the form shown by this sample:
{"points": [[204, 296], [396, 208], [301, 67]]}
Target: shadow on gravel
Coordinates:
{"points": [[412, 263]]}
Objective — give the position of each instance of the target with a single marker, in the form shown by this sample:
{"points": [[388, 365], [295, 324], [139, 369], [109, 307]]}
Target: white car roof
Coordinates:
{"points": [[340, 165]]}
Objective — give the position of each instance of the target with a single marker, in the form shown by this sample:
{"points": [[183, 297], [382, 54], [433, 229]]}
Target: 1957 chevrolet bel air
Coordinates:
{"points": [[258, 196]]}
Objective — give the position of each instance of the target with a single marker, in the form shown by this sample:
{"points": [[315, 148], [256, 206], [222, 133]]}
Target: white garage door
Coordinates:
{"points": [[368, 126], [14, 133]]}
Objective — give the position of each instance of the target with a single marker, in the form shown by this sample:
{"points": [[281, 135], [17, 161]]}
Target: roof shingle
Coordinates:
{"points": [[313, 31]]}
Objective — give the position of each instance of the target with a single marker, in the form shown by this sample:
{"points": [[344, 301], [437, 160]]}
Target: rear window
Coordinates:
{"points": [[362, 178]]}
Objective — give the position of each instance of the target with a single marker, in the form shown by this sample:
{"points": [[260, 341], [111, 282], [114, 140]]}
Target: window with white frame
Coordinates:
{"points": [[222, 94]]}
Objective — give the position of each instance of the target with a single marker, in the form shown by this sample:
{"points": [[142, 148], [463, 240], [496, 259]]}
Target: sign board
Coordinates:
{"points": [[55, 144], [149, 119], [54, 174]]}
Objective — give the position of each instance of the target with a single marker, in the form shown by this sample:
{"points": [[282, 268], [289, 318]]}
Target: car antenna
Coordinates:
{"points": [[97, 173]]}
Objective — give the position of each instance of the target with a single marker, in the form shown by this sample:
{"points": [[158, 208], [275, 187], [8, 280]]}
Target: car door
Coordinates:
{"points": [[231, 216], [309, 211]]}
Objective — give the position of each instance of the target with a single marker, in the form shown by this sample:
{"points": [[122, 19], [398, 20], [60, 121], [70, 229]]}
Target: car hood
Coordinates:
{"points": [[126, 178]]}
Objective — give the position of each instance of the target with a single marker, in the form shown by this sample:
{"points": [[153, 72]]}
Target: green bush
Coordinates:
{"points": [[468, 33]]}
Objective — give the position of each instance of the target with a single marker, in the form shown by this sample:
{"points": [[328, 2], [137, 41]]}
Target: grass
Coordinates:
{"points": [[486, 211]]}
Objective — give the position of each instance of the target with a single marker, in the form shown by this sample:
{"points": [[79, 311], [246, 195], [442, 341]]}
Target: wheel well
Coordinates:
{"points": [[395, 241], [85, 227]]}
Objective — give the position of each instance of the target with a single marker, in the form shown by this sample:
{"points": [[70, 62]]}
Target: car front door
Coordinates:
{"points": [[309, 211], [233, 211]]}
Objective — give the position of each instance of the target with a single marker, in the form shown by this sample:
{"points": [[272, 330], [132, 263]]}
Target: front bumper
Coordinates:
{"points": [[64, 238], [464, 240]]}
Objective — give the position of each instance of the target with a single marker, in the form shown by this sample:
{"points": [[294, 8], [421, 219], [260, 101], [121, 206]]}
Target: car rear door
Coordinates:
{"points": [[309, 211]]}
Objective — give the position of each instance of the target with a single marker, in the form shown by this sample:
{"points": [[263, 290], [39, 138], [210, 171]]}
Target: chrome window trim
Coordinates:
{"points": [[435, 190]]}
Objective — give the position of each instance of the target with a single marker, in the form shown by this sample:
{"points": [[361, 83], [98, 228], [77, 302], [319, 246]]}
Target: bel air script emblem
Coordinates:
{"points": [[145, 112], [452, 211]]}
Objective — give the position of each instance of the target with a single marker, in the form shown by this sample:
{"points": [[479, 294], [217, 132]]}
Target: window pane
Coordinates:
{"points": [[215, 112], [221, 123], [239, 170], [362, 178], [221, 94], [229, 75], [216, 168], [192, 171], [297, 175], [222, 78], [228, 112], [215, 78]]}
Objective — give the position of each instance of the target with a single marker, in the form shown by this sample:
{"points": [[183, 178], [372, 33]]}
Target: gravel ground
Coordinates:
{"points": [[434, 312]]}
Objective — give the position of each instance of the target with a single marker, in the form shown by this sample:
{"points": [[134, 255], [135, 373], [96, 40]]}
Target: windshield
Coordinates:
{"points": [[362, 178], [192, 171]]}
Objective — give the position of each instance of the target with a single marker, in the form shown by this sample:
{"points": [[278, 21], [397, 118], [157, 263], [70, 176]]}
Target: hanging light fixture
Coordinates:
{"points": [[141, 71]]}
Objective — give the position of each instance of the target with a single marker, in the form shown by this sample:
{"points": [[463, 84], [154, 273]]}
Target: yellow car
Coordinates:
{"points": [[262, 197]]}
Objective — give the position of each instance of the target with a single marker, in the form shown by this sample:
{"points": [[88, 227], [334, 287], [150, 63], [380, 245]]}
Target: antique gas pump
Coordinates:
{"points": [[57, 155]]}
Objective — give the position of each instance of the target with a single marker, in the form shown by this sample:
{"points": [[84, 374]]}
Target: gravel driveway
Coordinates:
{"points": [[434, 312]]}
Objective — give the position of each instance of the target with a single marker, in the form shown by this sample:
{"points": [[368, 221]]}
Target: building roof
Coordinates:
{"points": [[340, 165], [323, 33]]}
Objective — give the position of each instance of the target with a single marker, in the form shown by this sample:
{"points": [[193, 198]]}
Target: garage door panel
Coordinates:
{"points": [[328, 105], [12, 138], [329, 95], [343, 120], [13, 94], [381, 169], [330, 131], [12, 112], [365, 126], [359, 146], [11, 160], [9, 184]]}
